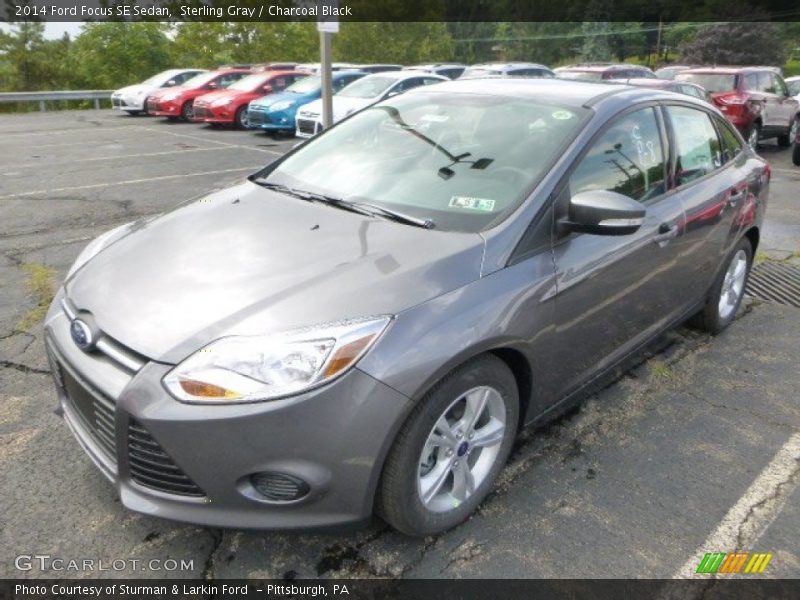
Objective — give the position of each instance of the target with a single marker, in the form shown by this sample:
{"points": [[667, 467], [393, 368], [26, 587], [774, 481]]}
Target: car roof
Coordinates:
{"points": [[508, 65], [602, 68], [649, 81], [727, 70], [402, 74], [437, 66]]}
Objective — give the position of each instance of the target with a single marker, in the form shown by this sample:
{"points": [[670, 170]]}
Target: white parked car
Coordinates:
{"points": [[132, 98], [449, 70], [360, 94]]}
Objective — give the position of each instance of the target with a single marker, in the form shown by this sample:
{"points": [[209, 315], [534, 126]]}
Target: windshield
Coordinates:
{"points": [[794, 87], [305, 86], [369, 87], [251, 82], [585, 75], [463, 161], [159, 78], [712, 82], [468, 73], [199, 80]]}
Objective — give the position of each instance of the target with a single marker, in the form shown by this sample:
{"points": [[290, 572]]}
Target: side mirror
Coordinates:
{"points": [[393, 93], [603, 213], [170, 83], [267, 89], [212, 85]]}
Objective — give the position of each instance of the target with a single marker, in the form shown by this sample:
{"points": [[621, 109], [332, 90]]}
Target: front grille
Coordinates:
{"points": [[202, 113], [775, 282], [257, 117], [95, 410], [152, 467], [116, 102], [153, 106], [304, 126]]}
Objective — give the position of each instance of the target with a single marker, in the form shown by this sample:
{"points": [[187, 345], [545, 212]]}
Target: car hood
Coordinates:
{"points": [[342, 106], [134, 89], [248, 260], [268, 101], [211, 96], [177, 89]]}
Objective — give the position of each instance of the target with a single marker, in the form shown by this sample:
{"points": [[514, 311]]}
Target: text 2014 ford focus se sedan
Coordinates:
{"points": [[365, 324]]}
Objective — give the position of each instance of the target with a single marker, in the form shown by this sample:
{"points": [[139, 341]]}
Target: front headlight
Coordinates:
{"points": [[282, 105], [96, 245], [253, 368]]}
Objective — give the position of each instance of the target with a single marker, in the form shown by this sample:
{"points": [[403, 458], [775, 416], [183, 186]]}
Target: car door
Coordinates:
{"points": [[613, 292], [787, 103], [712, 187], [772, 115]]}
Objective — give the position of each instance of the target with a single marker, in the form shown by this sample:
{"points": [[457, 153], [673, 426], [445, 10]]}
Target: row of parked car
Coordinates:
{"points": [[284, 98]]}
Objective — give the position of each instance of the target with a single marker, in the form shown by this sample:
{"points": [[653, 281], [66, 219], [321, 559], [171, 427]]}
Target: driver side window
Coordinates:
{"points": [[627, 158]]}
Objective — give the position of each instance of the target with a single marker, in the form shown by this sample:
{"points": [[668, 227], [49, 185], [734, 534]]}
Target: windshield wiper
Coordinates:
{"points": [[362, 208]]}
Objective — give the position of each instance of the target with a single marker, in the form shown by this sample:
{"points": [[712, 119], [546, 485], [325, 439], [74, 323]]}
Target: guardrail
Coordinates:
{"points": [[43, 97]]}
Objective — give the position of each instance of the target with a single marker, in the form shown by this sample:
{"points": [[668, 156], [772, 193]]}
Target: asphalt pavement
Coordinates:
{"points": [[695, 449]]}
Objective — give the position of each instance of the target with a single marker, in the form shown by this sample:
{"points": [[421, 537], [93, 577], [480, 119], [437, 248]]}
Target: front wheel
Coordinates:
{"points": [[242, 121], [451, 449], [753, 135], [784, 141], [187, 111], [727, 292]]}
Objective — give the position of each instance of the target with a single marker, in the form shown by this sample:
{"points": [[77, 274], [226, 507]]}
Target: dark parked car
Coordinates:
{"points": [[681, 87], [604, 72], [365, 324], [755, 100]]}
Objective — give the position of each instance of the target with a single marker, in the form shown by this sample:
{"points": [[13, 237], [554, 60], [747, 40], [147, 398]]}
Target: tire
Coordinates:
{"points": [[784, 141], [187, 111], [713, 318], [753, 135], [796, 154], [134, 113], [416, 459], [241, 121]]}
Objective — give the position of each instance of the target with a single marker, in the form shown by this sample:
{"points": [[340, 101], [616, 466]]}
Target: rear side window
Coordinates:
{"points": [[731, 146], [697, 145], [765, 83], [628, 158]]}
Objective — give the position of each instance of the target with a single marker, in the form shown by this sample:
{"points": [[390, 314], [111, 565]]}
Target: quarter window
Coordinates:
{"points": [[731, 146], [697, 145], [627, 159]]}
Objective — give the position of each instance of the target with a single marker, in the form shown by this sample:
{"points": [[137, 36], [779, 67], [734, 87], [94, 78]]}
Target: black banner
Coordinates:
{"points": [[399, 10], [357, 589]]}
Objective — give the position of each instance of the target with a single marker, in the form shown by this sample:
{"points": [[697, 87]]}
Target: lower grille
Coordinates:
{"points": [[257, 117], [304, 126], [152, 467], [775, 282], [95, 410], [153, 106], [202, 113]]}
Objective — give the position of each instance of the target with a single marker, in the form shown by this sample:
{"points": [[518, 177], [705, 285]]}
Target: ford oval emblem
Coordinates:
{"points": [[81, 334]]}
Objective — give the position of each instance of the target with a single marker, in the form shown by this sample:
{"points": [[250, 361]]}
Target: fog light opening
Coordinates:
{"points": [[279, 487]]}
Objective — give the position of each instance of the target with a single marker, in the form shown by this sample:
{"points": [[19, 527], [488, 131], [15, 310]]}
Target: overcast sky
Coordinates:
{"points": [[54, 30]]}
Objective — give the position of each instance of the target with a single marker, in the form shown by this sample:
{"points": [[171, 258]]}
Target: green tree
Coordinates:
{"points": [[205, 45], [548, 43], [114, 54], [28, 61], [404, 43]]}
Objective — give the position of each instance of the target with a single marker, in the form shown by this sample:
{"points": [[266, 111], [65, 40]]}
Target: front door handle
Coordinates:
{"points": [[665, 233]]}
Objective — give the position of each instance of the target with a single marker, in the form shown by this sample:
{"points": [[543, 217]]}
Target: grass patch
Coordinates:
{"points": [[41, 283], [761, 257], [663, 371]]}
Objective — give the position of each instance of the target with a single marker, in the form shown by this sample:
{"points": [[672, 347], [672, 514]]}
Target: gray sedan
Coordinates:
{"points": [[364, 325]]}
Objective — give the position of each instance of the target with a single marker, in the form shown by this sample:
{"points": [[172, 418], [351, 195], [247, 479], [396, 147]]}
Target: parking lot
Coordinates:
{"points": [[696, 449]]}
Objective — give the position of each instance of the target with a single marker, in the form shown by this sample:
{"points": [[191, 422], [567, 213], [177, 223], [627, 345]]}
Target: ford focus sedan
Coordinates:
{"points": [[363, 326]]}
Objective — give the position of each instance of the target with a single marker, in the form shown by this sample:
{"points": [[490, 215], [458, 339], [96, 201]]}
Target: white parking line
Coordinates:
{"points": [[75, 130], [128, 182], [121, 156], [747, 520], [213, 141]]}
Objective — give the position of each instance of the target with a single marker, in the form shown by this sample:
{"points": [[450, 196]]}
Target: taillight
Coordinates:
{"points": [[731, 99]]}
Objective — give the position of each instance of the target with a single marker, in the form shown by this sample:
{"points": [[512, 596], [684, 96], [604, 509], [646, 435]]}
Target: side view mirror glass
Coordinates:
{"points": [[212, 85], [170, 83], [267, 88], [603, 213]]}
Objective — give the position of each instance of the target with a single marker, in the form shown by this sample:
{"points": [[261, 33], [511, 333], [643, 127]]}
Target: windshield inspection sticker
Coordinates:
{"points": [[562, 115], [482, 204]]}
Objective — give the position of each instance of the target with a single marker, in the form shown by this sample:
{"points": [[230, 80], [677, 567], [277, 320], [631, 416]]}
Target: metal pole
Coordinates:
{"points": [[327, 85]]}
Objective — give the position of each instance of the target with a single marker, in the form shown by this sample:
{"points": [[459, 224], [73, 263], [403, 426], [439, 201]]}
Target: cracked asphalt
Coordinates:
{"points": [[650, 469]]}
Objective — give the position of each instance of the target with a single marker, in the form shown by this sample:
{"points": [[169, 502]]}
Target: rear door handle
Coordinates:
{"points": [[665, 233]]}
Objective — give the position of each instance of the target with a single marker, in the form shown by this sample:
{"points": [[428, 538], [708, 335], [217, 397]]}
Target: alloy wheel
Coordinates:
{"points": [[752, 138], [461, 449], [733, 284]]}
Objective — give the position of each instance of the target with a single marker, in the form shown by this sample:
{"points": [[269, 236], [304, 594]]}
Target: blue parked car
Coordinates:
{"points": [[276, 112]]}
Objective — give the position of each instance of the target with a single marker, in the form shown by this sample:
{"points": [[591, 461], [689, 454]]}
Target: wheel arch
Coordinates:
{"points": [[754, 235]]}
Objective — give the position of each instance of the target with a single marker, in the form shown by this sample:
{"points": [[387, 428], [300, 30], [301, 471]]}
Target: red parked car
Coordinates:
{"points": [[755, 100], [230, 105], [178, 102]]}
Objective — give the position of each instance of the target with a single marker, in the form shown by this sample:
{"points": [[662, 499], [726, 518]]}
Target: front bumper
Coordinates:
{"points": [[214, 114], [160, 108], [271, 121], [120, 102], [306, 127], [333, 438]]}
